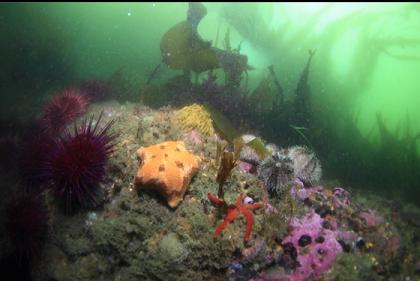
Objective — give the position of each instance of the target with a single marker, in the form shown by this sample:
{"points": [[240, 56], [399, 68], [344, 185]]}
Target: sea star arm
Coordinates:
{"points": [[214, 199], [232, 214], [254, 206], [239, 200], [249, 221]]}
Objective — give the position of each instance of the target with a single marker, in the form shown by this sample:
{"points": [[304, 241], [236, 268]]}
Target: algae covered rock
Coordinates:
{"points": [[171, 247], [352, 267]]}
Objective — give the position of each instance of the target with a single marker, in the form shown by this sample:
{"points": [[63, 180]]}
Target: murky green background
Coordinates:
{"points": [[367, 60]]}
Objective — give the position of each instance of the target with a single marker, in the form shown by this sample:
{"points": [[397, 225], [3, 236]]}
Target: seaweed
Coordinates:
{"points": [[227, 163], [222, 124], [258, 145], [302, 102], [280, 92]]}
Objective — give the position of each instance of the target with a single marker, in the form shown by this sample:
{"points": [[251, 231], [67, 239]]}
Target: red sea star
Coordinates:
{"points": [[233, 211]]}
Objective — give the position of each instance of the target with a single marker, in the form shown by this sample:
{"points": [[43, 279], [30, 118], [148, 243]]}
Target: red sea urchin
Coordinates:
{"points": [[27, 225], [63, 109], [77, 164]]}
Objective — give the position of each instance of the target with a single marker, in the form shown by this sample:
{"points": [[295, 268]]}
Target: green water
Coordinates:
{"points": [[367, 57], [314, 173]]}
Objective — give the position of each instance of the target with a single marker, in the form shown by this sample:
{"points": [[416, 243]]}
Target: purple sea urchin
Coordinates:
{"points": [[77, 164]]}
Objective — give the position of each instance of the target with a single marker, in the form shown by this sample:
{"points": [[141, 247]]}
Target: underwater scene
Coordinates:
{"points": [[210, 141]]}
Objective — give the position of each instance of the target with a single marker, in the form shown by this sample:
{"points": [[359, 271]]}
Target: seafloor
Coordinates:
{"points": [[134, 235]]}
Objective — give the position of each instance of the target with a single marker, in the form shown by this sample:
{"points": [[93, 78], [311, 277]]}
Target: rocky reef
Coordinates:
{"points": [[311, 230], [134, 234]]}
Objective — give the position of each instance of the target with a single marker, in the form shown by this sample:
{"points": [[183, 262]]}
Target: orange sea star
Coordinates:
{"points": [[167, 168], [233, 211]]}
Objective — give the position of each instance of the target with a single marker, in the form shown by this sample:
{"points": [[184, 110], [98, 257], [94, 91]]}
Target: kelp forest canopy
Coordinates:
{"points": [[318, 111]]}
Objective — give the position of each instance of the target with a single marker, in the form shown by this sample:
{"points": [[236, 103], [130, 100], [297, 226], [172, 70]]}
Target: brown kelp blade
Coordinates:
{"points": [[226, 166], [182, 48]]}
